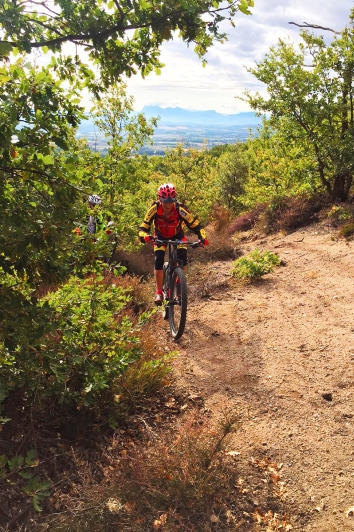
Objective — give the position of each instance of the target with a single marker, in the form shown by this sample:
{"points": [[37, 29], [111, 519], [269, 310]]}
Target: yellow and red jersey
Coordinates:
{"points": [[168, 226]]}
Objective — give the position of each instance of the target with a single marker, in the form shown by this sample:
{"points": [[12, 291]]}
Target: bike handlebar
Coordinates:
{"points": [[160, 241]]}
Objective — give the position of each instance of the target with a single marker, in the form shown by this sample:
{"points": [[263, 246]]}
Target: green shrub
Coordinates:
{"points": [[20, 471], [340, 213], [255, 265], [90, 339]]}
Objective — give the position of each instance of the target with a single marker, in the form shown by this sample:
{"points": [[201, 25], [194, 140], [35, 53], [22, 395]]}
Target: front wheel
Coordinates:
{"points": [[178, 303]]}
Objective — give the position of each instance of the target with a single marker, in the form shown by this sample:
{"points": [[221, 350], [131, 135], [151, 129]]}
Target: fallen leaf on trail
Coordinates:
{"points": [[158, 523], [274, 476], [114, 505], [274, 522], [129, 506]]}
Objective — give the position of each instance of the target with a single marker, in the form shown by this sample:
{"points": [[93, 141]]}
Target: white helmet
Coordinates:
{"points": [[94, 199]]}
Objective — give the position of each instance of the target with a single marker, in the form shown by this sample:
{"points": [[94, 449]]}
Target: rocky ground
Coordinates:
{"points": [[280, 352]]}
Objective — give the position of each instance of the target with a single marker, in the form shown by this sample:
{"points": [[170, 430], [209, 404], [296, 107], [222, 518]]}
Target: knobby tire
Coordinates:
{"points": [[178, 303]]}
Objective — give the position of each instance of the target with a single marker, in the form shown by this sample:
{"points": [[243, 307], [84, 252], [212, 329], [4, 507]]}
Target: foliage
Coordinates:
{"points": [[278, 166], [37, 192], [121, 175], [36, 200], [189, 170], [255, 265], [313, 107], [87, 343], [20, 471], [127, 132], [232, 169], [340, 213], [118, 37], [95, 341]]}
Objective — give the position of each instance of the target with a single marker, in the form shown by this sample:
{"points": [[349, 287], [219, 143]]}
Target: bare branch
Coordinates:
{"points": [[315, 26]]}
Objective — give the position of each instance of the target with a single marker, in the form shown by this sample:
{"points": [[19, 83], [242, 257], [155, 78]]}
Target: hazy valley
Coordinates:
{"points": [[176, 125]]}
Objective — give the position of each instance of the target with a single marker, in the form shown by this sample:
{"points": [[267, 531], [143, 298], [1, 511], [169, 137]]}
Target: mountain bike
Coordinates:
{"points": [[174, 286]]}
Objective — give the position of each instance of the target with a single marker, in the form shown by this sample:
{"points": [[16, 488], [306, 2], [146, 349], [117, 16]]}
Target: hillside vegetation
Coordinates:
{"points": [[84, 375]]}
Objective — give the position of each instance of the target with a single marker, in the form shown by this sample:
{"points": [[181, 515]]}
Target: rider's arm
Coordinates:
{"points": [[144, 228], [192, 223]]}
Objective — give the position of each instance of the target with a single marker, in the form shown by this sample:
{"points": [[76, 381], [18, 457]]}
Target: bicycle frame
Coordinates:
{"points": [[172, 246], [175, 286]]}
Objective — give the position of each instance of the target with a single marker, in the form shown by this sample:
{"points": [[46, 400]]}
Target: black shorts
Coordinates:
{"points": [[161, 250]]}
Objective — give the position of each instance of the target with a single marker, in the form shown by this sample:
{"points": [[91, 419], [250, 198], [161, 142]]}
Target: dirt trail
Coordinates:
{"points": [[281, 352]]}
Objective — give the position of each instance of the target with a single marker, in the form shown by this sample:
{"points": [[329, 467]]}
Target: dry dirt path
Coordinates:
{"points": [[281, 352]]}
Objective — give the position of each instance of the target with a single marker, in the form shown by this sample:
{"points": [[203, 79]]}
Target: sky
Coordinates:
{"points": [[185, 83]]}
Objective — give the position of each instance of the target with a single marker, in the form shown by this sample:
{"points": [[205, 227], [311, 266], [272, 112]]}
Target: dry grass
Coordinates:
{"points": [[285, 214], [136, 286], [175, 480], [146, 376], [347, 231], [221, 244], [139, 262], [297, 211], [184, 477], [246, 221]]}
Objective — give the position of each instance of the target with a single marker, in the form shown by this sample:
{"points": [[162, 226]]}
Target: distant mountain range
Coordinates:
{"points": [[177, 115], [177, 125]]}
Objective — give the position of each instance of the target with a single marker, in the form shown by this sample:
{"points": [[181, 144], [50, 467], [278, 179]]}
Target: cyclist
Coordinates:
{"points": [[169, 217], [94, 220]]}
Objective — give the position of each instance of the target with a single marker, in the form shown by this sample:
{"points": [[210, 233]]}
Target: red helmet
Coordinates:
{"points": [[167, 193]]}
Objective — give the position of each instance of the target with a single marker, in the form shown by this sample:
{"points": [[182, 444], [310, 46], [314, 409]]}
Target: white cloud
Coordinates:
{"points": [[185, 83]]}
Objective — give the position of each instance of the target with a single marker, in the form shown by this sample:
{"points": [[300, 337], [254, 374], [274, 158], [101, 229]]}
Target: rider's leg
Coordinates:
{"points": [[159, 280], [158, 273]]}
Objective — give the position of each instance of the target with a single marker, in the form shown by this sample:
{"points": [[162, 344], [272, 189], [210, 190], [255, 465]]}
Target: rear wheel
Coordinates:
{"points": [[178, 303]]}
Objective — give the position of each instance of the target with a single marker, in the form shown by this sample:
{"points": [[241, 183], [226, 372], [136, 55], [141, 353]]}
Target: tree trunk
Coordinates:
{"points": [[341, 186]]}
